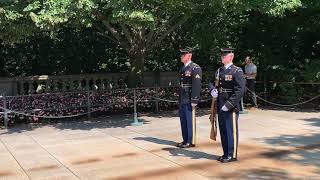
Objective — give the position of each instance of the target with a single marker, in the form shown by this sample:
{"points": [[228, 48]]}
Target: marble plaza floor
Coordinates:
{"points": [[274, 144]]}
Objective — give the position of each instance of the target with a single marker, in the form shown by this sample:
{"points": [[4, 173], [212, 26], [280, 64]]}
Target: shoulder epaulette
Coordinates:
{"points": [[236, 68], [194, 65]]}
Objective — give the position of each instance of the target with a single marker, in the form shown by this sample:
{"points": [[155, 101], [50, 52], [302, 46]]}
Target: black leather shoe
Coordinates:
{"points": [[221, 157], [187, 145], [180, 144], [228, 159]]}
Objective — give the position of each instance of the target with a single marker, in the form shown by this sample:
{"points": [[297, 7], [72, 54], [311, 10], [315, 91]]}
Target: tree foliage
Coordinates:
{"points": [[88, 36]]}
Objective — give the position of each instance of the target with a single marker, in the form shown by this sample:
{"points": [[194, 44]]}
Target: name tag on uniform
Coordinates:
{"points": [[187, 73], [228, 78]]}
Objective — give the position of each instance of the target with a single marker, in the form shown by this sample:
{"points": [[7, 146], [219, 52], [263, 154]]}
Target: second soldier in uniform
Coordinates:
{"points": [[230, 86], [190, 86]]}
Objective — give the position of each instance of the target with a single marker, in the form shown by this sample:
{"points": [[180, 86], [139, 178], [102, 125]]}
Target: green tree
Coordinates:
{"points": [[137, 26], [286, 48]]}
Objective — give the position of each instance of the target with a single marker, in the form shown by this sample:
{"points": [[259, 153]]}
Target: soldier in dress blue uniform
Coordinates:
{"points": [[228, 87], [190, 86]]}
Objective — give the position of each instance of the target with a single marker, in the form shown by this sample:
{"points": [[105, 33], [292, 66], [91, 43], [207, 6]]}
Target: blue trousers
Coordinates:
{"points": [[228, 125], [188, 123]]}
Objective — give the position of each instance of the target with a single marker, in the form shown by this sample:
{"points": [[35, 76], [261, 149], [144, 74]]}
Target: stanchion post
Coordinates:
{"points": [[88, 104], [135, 115], [243, 111], [157, 100], [5, 120], [265, 89]]}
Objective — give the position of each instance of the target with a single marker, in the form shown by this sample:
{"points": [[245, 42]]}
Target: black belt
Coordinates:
{"points": [[224, 90]]}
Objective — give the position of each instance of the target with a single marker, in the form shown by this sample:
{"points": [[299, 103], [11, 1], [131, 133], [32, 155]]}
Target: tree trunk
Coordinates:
{"points": [[135, 76]]}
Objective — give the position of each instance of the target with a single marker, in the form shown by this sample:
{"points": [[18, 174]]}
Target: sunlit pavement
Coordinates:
{"points": [[274, 144]]}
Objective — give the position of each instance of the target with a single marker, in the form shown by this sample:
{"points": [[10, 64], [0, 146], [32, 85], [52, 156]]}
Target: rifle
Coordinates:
{"points": [[213, 115], [213, 119]]}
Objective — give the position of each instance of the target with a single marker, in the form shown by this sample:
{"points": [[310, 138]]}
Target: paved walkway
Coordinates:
{"points": [[274, 144]]}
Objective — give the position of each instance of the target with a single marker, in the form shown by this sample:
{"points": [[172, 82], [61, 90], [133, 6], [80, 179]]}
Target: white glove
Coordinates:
{"points": [[193, 104], [224, 108], [214, 93]]}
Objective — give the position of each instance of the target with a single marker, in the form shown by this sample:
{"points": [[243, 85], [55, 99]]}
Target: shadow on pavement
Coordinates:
{"points": [[302, 149], [175, 151], [98, 123]]}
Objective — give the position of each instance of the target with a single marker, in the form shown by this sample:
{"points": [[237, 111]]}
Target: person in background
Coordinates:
{"points": [[250, 71]]}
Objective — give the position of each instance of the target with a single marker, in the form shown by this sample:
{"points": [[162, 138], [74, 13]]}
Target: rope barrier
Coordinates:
{"points": [[205, 100], [165, 100], [282, 105], [51, 117], [176, 101], [276, 104], [149, 100], [284, 82]]}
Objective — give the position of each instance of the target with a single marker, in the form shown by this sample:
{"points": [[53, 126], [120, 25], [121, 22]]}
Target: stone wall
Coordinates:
{"points": [[47, 84]]}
